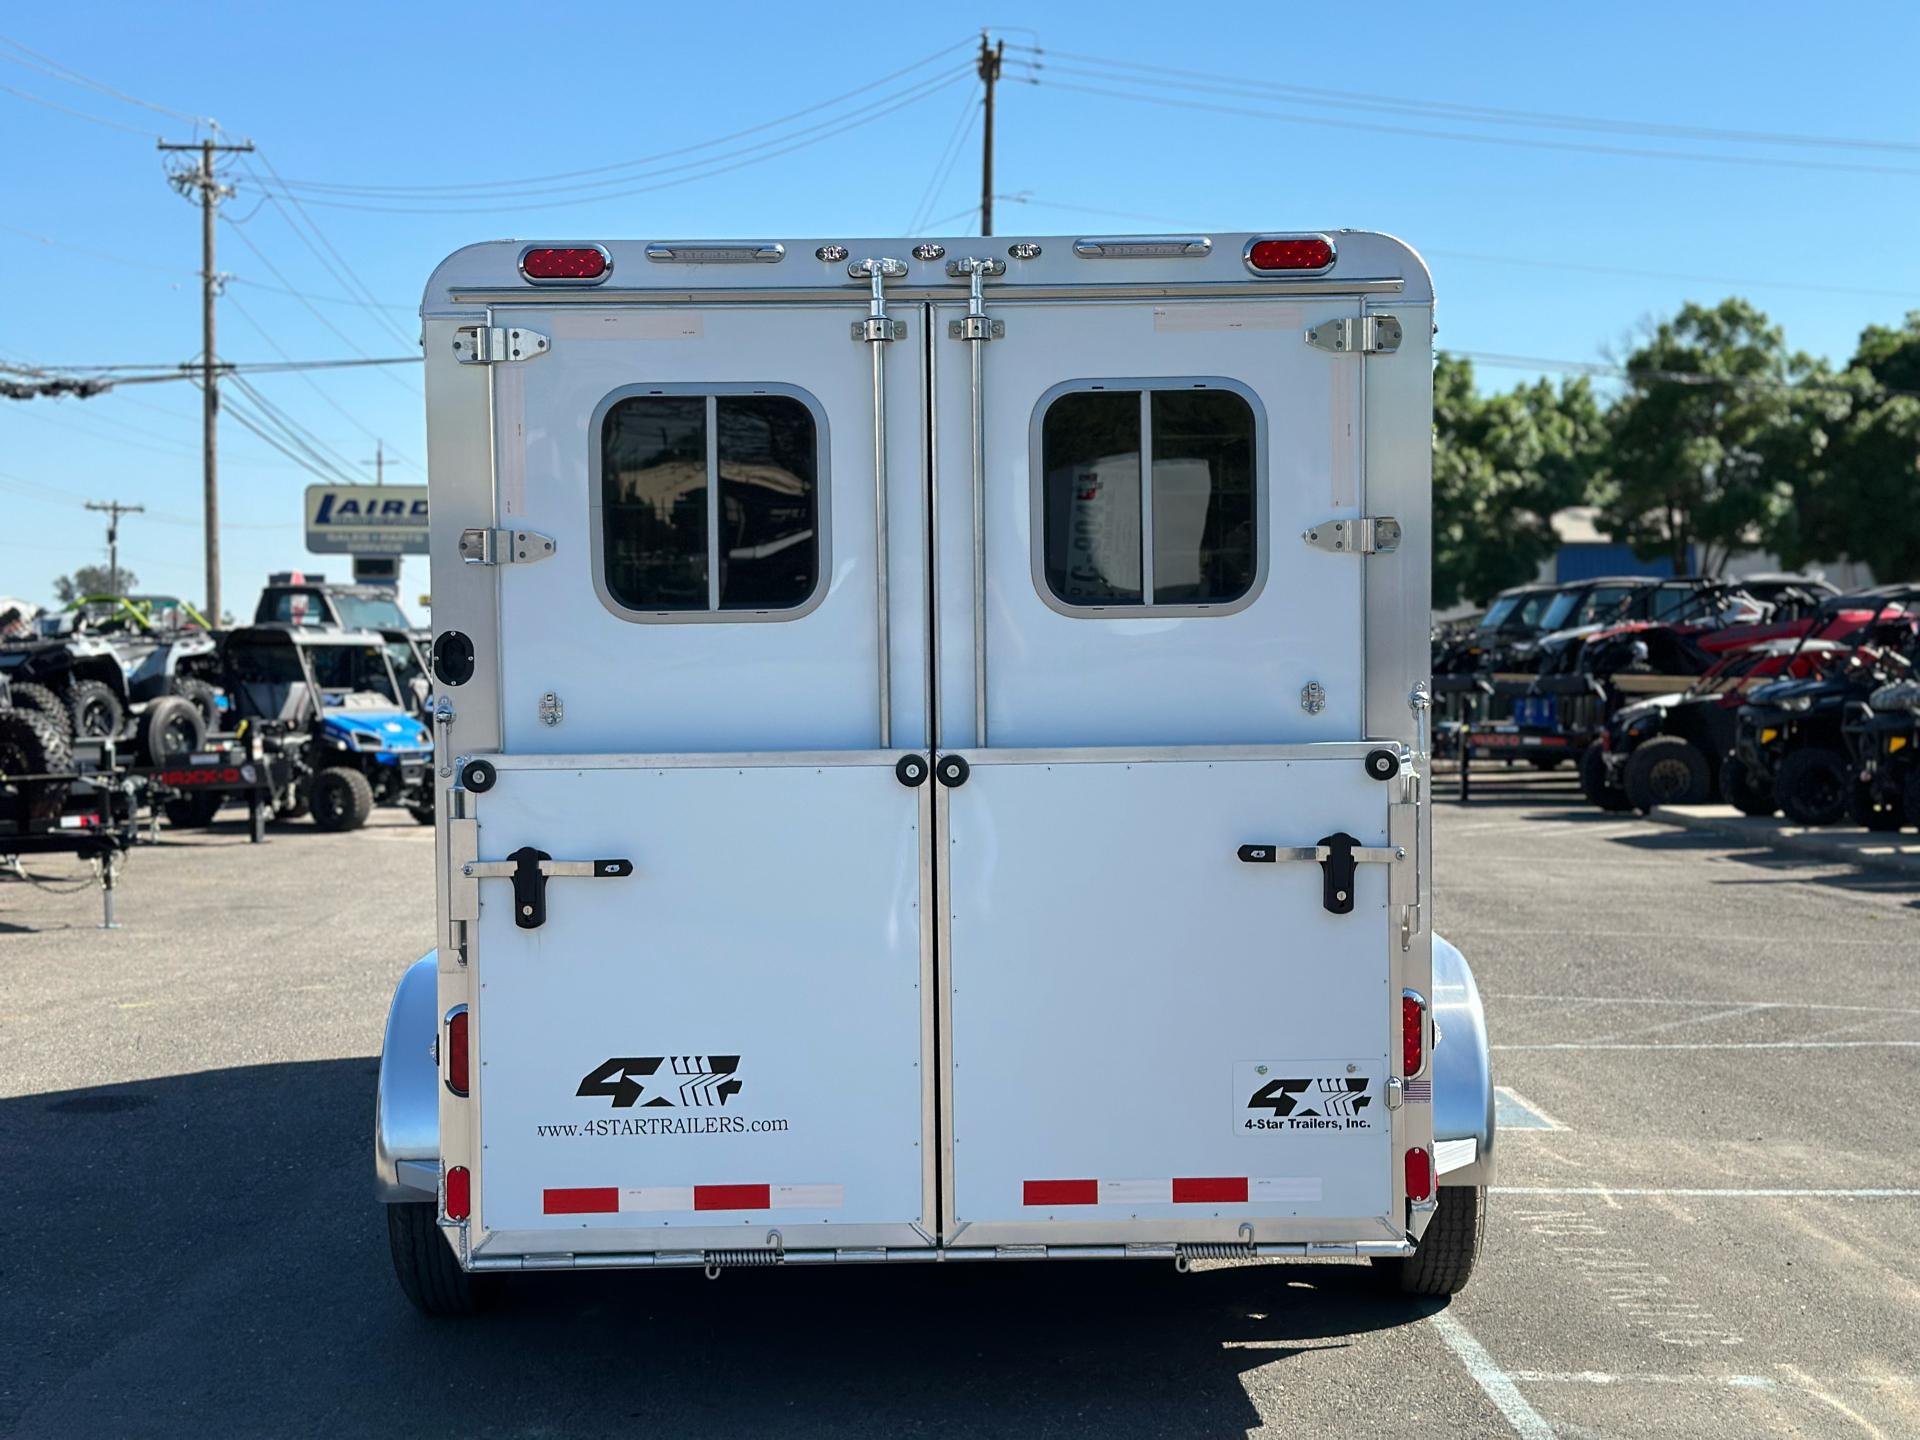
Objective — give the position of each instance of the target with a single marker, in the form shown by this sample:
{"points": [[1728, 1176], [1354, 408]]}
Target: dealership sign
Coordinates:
{"points": [[367, 519]]}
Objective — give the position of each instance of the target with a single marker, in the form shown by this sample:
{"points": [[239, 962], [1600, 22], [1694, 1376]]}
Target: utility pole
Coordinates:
{"points": [[379, 462], [990, 57], [114, 510], [199, 184]]}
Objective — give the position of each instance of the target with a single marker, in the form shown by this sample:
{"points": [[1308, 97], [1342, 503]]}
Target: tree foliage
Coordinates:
{"points": [[1502, 465], [91, 580]]}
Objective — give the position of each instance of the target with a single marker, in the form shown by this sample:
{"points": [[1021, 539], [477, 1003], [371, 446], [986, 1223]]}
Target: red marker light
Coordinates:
{"points": [[1413, 1034], [457, 1051], [580, 264], [1291, 252], [1419, 1176], [460, 1192]]}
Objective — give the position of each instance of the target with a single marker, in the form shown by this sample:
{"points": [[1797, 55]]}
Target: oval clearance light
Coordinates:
{"points": [[1290, 254], [459, 1193], [457, 1051], [565, 265], [1419, 1176]]}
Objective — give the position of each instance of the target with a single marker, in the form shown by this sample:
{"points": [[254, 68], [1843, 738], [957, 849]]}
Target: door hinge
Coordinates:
{"points": [[1369, 535], [1362, 335], [489, 344], [504, 547]]}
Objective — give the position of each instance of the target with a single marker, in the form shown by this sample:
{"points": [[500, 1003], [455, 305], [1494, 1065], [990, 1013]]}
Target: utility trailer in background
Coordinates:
{"points": [[932, 764]]}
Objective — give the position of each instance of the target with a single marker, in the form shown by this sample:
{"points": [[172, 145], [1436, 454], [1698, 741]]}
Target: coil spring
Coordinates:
{"points": [[768, 1256], [1215, 1250]]}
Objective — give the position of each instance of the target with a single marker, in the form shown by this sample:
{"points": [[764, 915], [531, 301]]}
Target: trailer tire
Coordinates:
{"points": [[1738, 790], [426, 1267], [41, 700], [1667, 770], [195, 811], [171, 729], [97, 712], [1593, 780], [204, 697], [340, 798], [1444, 1261], [30, 745], [1812, 786]]}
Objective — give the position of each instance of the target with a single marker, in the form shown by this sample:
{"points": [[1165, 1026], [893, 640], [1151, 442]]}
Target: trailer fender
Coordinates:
{"points": [[406, 1117], [1463, 1132]]}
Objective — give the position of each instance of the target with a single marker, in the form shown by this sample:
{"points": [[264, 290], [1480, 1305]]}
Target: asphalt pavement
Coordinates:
{"points": [[1701, 1225]]}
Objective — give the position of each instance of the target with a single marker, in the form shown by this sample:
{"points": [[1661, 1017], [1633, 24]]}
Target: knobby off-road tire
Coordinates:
{"points": [[1593, 780], [1738, 789], [170, 730], [424, 813], [97, 712], [1444, 1262], [340, 799], [30, 745], [1812, 786], [204, 697], [1667, 770], [426, 1268], [1546, 762], [50, 707], [1862, 809]]}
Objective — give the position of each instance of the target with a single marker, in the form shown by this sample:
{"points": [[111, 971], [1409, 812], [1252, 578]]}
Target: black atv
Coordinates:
{"points": [[1883, 740]]}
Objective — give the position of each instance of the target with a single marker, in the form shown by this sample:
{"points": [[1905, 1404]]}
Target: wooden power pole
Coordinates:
{"points": [[113, 509], [199, 184], [990, 57]]}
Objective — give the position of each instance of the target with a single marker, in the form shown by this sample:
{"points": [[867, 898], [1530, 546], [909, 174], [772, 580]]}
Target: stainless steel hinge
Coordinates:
{"points": [[1369, 535], [504, 547], [1364, 335], [490, 344]]}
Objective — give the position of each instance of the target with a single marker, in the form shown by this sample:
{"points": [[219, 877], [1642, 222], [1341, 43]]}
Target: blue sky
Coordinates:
{"points": [[1545, 238]]}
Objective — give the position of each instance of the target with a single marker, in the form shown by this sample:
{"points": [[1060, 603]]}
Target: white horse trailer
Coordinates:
{"points": [[933, 763]]}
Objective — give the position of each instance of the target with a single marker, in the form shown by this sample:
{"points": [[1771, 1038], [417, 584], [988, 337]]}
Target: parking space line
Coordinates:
{"points": [[1725, 1194], [1649, 1000], [1604, 1377], [1834, 1402], [1719, 1045], [1491, 1378]]}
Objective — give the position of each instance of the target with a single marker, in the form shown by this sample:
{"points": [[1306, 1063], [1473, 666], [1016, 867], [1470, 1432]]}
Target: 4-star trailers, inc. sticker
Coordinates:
{"points": [[1298, 1095], [694, 1081]]}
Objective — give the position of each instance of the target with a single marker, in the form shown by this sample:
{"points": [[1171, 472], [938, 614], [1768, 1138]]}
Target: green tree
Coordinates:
{"points": [[1855, 499], [91, 580], [1502, 465], [1717, 424]]}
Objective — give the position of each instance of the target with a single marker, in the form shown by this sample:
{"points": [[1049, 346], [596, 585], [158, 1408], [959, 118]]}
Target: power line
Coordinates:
{"points": [[1514, 141], [1485, 114], [943, 165], [52, 67]]}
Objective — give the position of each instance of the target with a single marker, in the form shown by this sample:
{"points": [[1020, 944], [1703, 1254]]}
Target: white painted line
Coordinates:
{"points": [[1513, 1111], [1723, 1045], [1646, 1000], [1705, 1193], [1603, 1377], [1491, 1378]]}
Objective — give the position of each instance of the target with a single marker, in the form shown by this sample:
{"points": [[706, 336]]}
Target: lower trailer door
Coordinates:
{"points": [[714, 1032], [1152, 1037]]}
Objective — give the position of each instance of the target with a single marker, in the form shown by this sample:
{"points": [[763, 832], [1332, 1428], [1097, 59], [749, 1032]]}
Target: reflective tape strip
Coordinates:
{"points": [[598, 1201], [1180, 1190], [644, 1198]]}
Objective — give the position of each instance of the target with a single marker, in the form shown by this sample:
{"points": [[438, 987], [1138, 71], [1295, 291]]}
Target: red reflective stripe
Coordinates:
{"points": [[1062, 1192], [1213, 1190], [731, 1197], [602, 1200]]}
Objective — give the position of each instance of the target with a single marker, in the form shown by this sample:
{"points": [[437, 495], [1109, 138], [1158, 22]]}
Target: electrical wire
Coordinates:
{"points": [[943, 165], [52, 67]]}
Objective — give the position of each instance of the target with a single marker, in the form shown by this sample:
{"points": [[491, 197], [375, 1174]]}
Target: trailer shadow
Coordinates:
{"points": [[201, 1254]]}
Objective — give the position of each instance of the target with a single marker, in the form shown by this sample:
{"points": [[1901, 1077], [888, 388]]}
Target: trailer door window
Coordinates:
{"points": [[1189, 539], [710, 502]]}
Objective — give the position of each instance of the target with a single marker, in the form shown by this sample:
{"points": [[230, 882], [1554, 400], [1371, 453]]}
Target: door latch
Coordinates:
{"points": [[1338, 855], [1361, 335], [1368, 535], [490, 344], [530, 869], [504, 547]]}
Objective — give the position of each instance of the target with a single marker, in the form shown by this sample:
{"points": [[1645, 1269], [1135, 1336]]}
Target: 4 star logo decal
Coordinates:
{"points": [[691, 1081]]}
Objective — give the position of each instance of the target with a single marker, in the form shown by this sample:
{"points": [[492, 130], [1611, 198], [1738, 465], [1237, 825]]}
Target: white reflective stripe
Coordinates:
{"points": [[1136, 1192], [657, 1197], [1289, 1187], [1452, 1154], [808, 1197]]}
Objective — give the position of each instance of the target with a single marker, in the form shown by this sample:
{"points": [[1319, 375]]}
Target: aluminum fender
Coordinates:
{"points": [[1462, 1069], [406, 1115]]}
